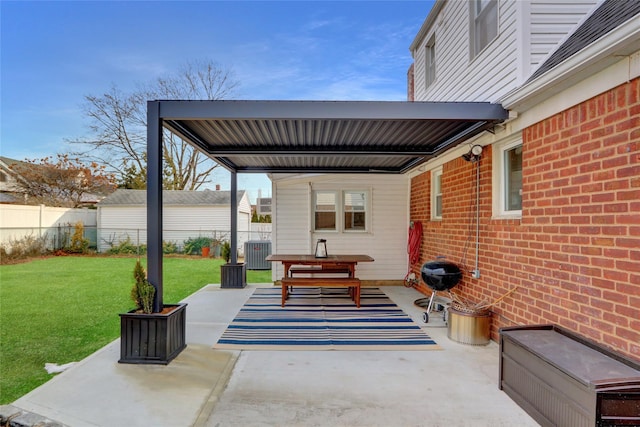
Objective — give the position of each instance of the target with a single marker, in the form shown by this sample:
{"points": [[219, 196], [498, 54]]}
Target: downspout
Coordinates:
{"points": [[476, 270]]}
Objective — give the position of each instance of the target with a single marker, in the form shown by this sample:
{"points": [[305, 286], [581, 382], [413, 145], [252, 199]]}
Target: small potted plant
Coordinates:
{"points": [[142, 292], [225, 251], [147, 337], [232, 275]]}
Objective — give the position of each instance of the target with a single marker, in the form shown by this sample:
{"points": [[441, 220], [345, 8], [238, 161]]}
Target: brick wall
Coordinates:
{"points": [[575, 254]]}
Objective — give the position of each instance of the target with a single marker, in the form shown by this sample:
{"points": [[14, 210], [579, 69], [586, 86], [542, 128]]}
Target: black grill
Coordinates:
{"points": [[441, 275]]}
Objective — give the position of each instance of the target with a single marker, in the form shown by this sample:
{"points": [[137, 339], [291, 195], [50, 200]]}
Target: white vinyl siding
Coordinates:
{"points": [[528, 32], [551, 21], [385, 240], [485, 78], [291, 221]]}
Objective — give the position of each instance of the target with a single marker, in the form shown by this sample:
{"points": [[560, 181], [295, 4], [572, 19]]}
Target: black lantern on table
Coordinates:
{"points": [[321, 248]]}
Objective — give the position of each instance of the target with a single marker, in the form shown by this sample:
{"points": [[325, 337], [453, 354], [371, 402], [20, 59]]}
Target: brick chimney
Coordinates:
{"points": [[410, 84], [217, 187]]}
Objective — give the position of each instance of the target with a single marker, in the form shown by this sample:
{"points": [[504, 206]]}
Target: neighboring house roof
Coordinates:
{"points": [[7, 163], [9, 198], [170, 198], [6, 166], [8, 183], [606, 18]]}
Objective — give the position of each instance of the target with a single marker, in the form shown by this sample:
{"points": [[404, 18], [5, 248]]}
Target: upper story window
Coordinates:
{"points": [[508, 178], [325, 203], [430, 61], [436, 193], [484, 24]]}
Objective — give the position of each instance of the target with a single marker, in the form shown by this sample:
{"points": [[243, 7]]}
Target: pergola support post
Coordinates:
{"points": [[154, 202], [234, 274], [234, 218]]}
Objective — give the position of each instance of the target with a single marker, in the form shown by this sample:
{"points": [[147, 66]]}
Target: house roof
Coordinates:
{"points": [[170, 197], [325, 136], [607, 17]]}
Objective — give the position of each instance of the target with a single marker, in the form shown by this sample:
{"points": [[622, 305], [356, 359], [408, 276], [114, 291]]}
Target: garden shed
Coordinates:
{"points": [[187, 215]]}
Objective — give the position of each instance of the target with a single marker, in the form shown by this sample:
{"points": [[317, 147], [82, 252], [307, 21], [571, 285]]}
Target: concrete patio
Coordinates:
{"points": [[457, 386]]}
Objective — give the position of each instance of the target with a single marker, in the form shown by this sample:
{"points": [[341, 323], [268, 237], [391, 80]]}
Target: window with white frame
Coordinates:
{"points": [[484, 24], [508, 178], [430, 61], [325, 206], [345, 211], [513, 178], [436, 193], [355, 210]]}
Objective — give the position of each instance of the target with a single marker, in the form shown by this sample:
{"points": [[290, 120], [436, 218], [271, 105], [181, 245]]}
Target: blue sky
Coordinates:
{"points": [[53, 53]]}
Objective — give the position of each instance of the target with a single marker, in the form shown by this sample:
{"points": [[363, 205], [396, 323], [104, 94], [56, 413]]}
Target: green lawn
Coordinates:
{"points": [[62, 309]]}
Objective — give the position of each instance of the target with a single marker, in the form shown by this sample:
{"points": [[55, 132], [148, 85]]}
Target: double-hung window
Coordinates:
{"points": [[325, 205], [436, 193], [513, 178], [430, 61], [508, 179], [355, 210], [484, 24]]}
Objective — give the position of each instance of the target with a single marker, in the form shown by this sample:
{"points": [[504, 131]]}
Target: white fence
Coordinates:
{"points": [[56, 225], [108, 238], [19, 221]]}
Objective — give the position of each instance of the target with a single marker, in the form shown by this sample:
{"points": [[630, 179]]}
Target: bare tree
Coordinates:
{"points": [[63, 182], [119, 121]]}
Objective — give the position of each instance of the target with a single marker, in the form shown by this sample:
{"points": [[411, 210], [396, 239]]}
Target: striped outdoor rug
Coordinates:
{"points": [[323, 319]]}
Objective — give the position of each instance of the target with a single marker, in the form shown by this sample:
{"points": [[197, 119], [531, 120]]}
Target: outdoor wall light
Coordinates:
{"points": [[474, 154]]}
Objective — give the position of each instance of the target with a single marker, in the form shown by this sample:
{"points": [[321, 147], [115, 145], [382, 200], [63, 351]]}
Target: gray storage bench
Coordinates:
{"points": [[562, 379]]}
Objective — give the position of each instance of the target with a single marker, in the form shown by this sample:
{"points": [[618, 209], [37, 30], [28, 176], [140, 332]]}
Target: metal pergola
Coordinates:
{"points": [[304, 137]]}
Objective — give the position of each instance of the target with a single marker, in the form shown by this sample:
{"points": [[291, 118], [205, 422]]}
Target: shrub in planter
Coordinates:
{"points": [[225, 251], [147, 337], [142, 292]]}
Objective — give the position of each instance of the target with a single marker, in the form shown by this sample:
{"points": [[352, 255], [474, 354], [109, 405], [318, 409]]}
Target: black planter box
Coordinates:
{"points": [[233, 276], [154, 338]]}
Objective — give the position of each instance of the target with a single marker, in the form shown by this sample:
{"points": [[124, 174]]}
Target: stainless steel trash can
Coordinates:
{"points": [[469, 328]]}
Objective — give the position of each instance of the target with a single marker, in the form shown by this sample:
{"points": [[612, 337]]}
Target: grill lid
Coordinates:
{"points": [[440, 275]]}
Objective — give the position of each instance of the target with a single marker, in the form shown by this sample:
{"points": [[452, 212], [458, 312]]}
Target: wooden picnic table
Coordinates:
{"points": [[331, 271]]}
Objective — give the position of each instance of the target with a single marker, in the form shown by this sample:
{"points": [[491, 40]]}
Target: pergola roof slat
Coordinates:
{"points": [[326, 136]]}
